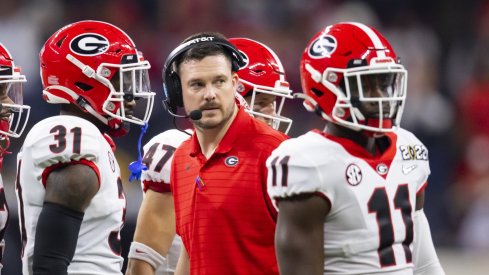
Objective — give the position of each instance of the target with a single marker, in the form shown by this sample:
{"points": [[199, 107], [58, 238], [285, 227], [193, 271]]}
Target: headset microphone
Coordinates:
{"points": [[195, 115]]}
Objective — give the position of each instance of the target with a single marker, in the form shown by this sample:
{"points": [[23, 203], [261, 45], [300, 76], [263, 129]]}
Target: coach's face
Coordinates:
{"points": [[208, 85]]}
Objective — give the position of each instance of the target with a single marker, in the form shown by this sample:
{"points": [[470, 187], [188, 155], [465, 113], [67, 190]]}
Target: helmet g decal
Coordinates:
{"points": [[89, 44], [324, 46], [245, 58]]}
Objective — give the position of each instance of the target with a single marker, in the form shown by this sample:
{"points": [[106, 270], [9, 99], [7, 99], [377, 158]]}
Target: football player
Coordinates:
{"points": [[263, 85], [13, 118], [71, 202], [351, 197]]}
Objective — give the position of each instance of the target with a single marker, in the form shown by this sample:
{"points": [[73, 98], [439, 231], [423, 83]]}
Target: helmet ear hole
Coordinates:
{"points": [[85, 87], [317, 92]]}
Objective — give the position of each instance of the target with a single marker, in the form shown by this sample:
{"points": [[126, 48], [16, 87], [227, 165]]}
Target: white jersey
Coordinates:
{"points": [[369, 229], [69, 139], [3, 220], [158, 155]]}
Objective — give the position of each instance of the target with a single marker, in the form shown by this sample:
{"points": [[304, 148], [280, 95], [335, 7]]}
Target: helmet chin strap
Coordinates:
{"points": [[89, 72], [4, 145]]}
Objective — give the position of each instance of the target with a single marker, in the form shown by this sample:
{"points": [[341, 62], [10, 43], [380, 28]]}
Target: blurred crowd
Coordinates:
{"points": [[442, 43]]}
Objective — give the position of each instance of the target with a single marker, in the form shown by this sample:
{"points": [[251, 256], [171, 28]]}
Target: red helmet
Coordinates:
{"points": [[262, 73], [12, 124], [95, 66], [337, 68]]}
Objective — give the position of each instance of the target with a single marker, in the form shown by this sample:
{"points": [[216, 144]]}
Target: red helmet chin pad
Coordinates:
{"points": [[122, 131], [114, 123], [375, 122], [4, 125], [118, 128]]}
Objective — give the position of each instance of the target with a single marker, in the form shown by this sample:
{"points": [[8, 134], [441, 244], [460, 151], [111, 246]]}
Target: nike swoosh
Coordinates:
{"points": [[408, 169], [139, 251]]}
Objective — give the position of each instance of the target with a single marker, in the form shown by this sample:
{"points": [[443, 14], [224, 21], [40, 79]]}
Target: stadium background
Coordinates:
{"points": [[443, 44]]}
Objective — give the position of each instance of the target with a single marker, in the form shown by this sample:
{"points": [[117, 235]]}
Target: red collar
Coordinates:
{"points": [[358, 151], [239, 124]]}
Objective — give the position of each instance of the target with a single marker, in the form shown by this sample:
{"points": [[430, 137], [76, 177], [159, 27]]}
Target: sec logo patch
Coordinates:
{"points": [[353, 174]]}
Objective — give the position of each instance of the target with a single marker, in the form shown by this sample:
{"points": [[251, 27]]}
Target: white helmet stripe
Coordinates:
{"points": [[373, 37]]}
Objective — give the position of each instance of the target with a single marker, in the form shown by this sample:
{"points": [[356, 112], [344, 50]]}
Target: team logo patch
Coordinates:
{"points": [[111, 161], [89, 44], [382, 169], [353, 174], [245, 58], [323, 46], [231, 161]]}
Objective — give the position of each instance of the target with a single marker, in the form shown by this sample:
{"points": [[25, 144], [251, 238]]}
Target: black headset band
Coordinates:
{"points": [[236, 56]]}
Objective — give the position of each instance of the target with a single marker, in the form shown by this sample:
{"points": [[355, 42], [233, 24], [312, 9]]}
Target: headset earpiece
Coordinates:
{"points": [[173, 91]]}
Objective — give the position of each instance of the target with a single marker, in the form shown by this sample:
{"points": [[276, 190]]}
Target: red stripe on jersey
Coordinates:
{"points": [[110, 141], [158, 187], [53, 167], [358, 151]]}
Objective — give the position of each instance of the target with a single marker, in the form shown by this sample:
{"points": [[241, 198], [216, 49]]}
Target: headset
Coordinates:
{"points": [[172, 85]]}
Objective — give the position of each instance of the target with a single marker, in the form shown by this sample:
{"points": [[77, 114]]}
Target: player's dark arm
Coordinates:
{"points": [[69, 190], [299, 236], [420, 200]]}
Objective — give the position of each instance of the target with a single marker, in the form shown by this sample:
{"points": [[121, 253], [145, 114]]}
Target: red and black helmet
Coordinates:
{"points": [[14, 114], [94, 65], [336, 68], [263, 72]]}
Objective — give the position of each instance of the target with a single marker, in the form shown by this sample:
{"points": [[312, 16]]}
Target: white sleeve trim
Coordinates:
{"points": [[145, 253]]}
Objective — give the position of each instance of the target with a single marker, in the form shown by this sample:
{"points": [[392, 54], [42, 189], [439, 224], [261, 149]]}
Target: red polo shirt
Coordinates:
{"points": [[223, 213]]}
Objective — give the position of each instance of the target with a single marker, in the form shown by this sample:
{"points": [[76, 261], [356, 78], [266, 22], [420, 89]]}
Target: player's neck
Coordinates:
{"points": [[209, 139], [367, 142], [71, 110]]}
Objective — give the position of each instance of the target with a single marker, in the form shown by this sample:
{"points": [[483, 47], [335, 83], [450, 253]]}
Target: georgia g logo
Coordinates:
{"points": [[231, 161], [89, 44], [323, 46], [246, 60]]}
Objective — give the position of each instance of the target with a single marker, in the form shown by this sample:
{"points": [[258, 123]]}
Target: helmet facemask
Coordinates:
{"points": [[11, 86], [275, 119], [373, 99], [130, 82], [352, 96]]}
